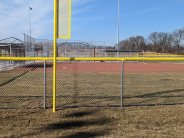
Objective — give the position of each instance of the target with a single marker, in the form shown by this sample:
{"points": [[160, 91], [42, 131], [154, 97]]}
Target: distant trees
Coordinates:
{"points": [[178, 37], [156, 42], [133, 43], [161, 42]]}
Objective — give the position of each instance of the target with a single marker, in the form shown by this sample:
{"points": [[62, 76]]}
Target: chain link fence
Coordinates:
{"points": [[92, 84], [153, 83], [88, 84], [32, 47], [93, 49], [22, 86]]}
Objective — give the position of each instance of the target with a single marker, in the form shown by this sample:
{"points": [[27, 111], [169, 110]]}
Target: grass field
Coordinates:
{"points": [[157, 121], [154, 54], [91, 89], [154, 104]]}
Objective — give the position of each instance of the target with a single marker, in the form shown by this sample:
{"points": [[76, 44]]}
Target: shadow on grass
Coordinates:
{"points": [[77, 124], [30, 67], [75, 84], [16, 77], [159, 94], [147, 95], [90, 134], [79, 114], [156, 96], [159, 104], [37, 65], [64, 125], [147, 99]]}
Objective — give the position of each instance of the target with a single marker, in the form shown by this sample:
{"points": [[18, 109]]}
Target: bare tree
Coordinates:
{"points": [[154, 38], [178, 36], [157, 42], [133, 43], [161, 41], [165, 39], [125, 45], [138, 42]]}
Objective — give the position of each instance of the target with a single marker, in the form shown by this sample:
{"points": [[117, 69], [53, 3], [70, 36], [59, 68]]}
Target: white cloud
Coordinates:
{"points": [[14, 17]]}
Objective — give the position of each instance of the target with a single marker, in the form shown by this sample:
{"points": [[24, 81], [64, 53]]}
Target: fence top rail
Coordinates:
{"points": [[93, 59]]}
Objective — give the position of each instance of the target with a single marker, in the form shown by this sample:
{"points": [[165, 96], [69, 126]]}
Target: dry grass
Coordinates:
{"points": [[154, 54], [92, 89], [148, 100], [158, 121]]}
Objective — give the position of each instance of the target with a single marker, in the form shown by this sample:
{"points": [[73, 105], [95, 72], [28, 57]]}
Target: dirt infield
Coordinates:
{"points": [[107, 67], [116, 67]]}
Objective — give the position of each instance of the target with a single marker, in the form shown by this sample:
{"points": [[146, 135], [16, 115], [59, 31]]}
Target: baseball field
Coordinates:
{"points": [[88, 100]]}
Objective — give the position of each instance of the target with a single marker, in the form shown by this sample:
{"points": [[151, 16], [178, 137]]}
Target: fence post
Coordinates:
{"points": [[78, 50], [45, 85], [122, 84]]}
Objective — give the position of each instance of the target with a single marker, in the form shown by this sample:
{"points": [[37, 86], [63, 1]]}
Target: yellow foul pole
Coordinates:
{"points": [[54, 53]]}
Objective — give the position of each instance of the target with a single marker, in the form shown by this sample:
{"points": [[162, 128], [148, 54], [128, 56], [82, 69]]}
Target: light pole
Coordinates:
{"points": [[30, 9], [118, 26]]}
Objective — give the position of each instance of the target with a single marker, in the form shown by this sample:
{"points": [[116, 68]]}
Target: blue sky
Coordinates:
{"points": [[93, 20]]}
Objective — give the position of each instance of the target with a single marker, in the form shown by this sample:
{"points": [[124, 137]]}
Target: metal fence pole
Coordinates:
{"points": [[122, 84], [65, 49], [45, 85], [78, 49]]}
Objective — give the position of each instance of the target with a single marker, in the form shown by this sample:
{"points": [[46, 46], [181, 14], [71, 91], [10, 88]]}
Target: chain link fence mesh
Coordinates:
{"points": [[91, 84], [22, 85], [93, 49], [153, 83], [88, 84]]}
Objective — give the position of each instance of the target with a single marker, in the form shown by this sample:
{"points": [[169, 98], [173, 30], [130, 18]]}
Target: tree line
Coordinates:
{"points": [[161, 42]]}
